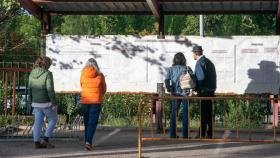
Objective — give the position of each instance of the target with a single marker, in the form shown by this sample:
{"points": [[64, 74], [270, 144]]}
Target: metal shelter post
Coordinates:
{"points": [[201, 25], [161, 33], [278, 19], [45, 22]]}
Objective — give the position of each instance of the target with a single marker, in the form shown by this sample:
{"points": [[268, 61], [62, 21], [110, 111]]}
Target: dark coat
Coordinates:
{"points": [[206, 77]]}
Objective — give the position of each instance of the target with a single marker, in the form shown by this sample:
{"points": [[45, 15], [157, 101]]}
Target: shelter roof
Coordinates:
{"points": [[43, 9], [166, 7]]}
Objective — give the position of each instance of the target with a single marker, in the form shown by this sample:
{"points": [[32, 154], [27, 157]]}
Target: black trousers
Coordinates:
{"points": [[206, 112]]}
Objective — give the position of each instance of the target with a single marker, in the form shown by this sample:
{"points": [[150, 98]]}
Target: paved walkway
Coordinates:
{"points": [[118, 143]]}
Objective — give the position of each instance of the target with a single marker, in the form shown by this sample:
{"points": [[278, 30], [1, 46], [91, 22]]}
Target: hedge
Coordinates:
{"points": [[121, 109]]}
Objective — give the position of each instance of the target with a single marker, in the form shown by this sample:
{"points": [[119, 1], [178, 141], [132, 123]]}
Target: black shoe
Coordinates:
{"points": [[198, 137], [88, 147], [208, 137], [174, 136], [40, 146], [47, 144], [186, 137]]}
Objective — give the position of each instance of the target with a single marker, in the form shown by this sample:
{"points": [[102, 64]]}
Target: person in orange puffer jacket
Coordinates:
{"points": [[93, 87]]}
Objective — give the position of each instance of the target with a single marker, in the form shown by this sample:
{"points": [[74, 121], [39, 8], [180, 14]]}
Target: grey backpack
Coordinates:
{"points": [[187, 80]]}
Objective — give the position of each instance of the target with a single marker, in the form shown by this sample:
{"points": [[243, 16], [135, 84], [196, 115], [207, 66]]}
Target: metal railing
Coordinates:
{"points": [[15, 74], [241, 135], [14, 77], [16, 129]]}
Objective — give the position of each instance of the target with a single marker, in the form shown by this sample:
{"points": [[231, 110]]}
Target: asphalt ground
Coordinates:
{"points": [[121, 143]]}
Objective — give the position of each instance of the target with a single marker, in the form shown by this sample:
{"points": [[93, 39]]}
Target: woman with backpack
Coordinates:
{"points": [[93, 87], [175, 76]]}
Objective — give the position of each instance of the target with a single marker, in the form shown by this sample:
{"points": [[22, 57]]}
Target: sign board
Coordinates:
{"points": [[244, 64]]}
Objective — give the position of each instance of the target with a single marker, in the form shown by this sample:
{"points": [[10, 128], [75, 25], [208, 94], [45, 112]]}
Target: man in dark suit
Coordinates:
{"points": [[205, 86]]}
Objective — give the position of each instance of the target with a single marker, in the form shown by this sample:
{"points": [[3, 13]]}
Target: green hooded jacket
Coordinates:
{"points": [[41, 87]]}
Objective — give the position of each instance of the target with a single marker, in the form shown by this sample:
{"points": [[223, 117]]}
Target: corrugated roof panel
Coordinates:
{"points": [[145, 5], [130, 6], [236, 6], [274, 5], [187, 6], [174, 5], [121, 6], [221, 6], [192, 6], [67, 6], [109, 6], [213, 6], [100, 7], [139, 6], [87, 6], [81, 6], [92, 6]]}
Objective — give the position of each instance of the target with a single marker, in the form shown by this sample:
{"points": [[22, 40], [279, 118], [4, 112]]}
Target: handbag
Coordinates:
{"points": [[186, 80]]}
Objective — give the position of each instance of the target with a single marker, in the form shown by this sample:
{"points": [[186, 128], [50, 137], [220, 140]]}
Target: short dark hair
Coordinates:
{"points": [[197, 50], [43, 62], [198, 53], [179, 59]]}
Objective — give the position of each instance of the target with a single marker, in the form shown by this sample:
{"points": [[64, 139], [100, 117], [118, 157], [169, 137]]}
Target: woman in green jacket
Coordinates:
{"points": [[41, 92]]}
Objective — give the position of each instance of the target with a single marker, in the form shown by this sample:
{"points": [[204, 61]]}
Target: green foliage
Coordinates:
{"points": [[121, 110], [120, 106], [2, 95], [231, 112], [117, 109], [240, 113], [103, 25], [19, 37], [30, 29], [191, 26], [6, 120], [2, 90], [68, 104], [227, 25], [10, 120]]}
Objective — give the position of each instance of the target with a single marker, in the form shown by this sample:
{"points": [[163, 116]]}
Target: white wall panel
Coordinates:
{"points": [[244, 64]]}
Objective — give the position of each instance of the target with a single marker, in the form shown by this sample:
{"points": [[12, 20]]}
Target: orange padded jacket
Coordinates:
{"points": [[93, 86]]}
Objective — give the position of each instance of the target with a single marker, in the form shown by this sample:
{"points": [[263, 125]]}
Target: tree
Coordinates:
{"points": [[9, 9], [227, 25], [104, 25], [19, 33], [191, 25]]}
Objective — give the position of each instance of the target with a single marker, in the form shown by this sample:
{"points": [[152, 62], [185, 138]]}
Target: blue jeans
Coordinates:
{"points": [[175, 105], [40, 114], [91, 116]]}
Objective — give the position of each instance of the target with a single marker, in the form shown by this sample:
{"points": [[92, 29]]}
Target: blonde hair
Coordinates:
{"points": [[93, 63], [43, 62]]}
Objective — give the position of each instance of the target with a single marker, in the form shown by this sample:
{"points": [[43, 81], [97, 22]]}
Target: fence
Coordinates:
{"points": [[15, 77], [14, 97], [14, 129], [238, 103]]}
